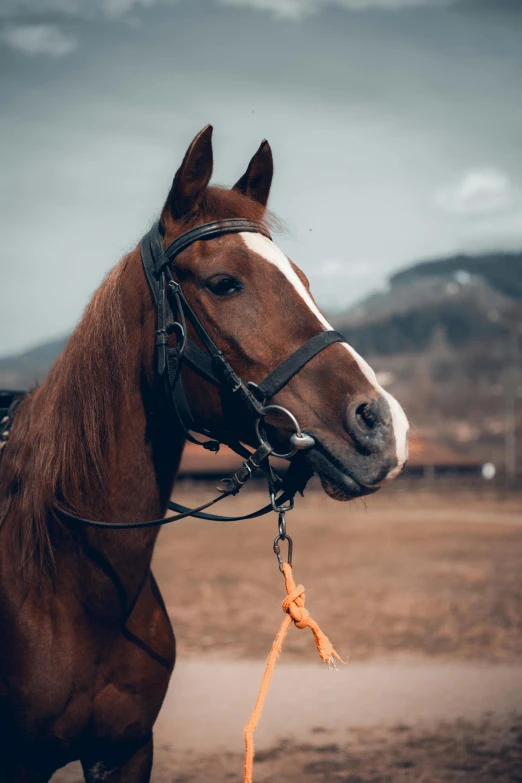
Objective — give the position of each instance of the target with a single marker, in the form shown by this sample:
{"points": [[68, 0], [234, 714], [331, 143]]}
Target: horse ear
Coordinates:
{"points": [[193, 175], [257, 179]]}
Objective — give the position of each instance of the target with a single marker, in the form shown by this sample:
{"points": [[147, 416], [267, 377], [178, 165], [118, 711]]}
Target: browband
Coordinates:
{"points": [[207, 231]]}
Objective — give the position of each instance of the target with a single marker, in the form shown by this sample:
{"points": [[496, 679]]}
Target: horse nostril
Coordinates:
{"points": [[366, 416], [368, 421]]}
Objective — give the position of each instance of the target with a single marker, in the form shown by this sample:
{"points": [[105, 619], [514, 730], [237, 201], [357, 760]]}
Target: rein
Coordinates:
{"points": [[172, 313]]}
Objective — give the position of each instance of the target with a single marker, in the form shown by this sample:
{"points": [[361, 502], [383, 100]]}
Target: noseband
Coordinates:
{"points": [[209, 362]]}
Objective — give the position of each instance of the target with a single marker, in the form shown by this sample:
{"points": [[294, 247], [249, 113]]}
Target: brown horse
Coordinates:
{"points": [[86, 647]]}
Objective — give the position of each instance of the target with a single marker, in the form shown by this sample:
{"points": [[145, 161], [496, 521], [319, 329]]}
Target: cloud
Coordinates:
{"points": [[479, 191], [87, 9], [21, 34], [298, 9], [19, 8], [118, 8], [35, 39], [115, 9], [25, 32]]}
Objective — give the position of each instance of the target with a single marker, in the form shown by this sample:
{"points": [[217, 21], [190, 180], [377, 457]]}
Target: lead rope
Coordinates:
{"points": [[293, 606]]}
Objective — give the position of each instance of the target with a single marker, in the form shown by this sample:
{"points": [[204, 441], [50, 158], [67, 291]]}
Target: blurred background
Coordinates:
{"points": [[396, 128]]}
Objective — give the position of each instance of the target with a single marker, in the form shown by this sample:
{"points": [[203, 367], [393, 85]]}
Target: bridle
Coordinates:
{"points": [[172, 313]]}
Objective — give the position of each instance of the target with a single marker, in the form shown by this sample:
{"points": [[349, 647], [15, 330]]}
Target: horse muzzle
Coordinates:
{"points": [[370, 449]]}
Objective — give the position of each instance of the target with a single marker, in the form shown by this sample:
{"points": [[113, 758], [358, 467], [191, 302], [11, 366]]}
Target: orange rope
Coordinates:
{"points": [[294, 607]]}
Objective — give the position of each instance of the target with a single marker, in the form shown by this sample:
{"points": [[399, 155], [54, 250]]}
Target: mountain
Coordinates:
{"points": [[501, 271], [470, 299], [23, 370], [443, 337]]}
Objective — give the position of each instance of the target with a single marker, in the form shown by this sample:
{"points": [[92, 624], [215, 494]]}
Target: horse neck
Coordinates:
{"points": [[93, 436]]}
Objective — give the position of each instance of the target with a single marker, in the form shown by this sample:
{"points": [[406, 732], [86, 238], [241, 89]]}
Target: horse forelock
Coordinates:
{"points": [[219, 203]]}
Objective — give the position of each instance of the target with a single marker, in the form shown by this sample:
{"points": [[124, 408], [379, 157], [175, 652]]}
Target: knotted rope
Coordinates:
{"points": [[296, 613]]}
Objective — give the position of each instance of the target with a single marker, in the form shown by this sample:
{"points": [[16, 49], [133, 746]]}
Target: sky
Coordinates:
{"points": [[396, 129]]}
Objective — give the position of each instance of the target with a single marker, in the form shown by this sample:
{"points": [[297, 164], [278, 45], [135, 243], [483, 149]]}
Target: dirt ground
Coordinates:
{"points": [[483, 752], [421, 591], [401, 573], [487, 751]]}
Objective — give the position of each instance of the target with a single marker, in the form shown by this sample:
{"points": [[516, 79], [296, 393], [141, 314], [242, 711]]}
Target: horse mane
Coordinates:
{"points": [[65, 430]]}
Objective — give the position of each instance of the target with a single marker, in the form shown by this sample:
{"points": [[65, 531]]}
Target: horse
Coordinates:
{"points": [[86, 645]]}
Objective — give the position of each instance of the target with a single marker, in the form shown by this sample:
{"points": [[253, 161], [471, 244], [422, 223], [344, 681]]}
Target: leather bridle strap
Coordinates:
{"points": [[285, 371], [210, 363], [208, 231], [156, 264], [173, 310], [185, 512], [294, 481], [193, 355], [201, 363]]}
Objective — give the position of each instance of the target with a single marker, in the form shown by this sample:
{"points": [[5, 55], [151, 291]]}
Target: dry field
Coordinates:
{"points": [[486, 751], [422, 591], [402, 573]]}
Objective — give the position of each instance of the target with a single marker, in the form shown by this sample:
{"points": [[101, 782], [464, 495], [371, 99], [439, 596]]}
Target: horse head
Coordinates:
{"points": [[257, 307]]}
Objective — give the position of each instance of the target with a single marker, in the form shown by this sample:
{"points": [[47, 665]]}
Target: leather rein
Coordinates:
{"points": [[172, 313]]}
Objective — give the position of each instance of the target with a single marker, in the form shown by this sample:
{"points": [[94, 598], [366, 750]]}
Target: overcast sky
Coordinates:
{"points": [[396, 127]]}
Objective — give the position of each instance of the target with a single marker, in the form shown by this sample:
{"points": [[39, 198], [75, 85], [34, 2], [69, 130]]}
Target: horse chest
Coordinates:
{"points": [[62, 673]]}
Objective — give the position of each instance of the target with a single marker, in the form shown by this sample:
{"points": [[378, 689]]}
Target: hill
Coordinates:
{"points": [[23, 370], [470, 299], [443, 337], [502, 271]]}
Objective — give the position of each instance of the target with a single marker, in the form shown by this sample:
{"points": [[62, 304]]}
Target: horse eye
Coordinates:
{"points": [[224, 285]]}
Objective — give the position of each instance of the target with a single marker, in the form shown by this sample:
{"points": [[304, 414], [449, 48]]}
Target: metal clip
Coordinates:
{"points": [[282, 536], [174, 287], [281, 524], [277, 550], [281, 509]]}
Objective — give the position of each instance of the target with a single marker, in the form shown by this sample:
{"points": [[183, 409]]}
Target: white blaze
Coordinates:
{"points": [[265, 248]]}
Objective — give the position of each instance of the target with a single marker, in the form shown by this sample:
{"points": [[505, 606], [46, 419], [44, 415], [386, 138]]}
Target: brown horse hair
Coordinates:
{"points": [[65, 431], [220, 203]]}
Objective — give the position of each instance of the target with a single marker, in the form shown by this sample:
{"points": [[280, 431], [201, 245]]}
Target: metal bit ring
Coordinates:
{"points": [[292, 418]]}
